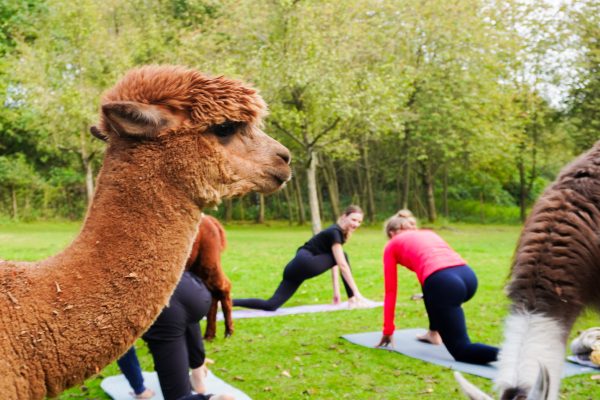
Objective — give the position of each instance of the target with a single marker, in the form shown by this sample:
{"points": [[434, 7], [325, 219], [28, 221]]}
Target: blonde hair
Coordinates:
{"points": [[403, 219]]}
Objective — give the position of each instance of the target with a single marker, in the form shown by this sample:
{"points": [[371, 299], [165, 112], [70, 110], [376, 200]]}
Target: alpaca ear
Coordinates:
{"points": [[97, 134], [128, 118]]}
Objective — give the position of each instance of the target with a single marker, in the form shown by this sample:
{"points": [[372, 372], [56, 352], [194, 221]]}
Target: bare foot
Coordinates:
{"points": [[197, 379], [146, 394], [360, 302], [432, 337], [222, 397]]}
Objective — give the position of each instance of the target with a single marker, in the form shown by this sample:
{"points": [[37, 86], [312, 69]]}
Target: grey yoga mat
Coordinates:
{"points": [[118, 388], [313, 308], [406, 343]]}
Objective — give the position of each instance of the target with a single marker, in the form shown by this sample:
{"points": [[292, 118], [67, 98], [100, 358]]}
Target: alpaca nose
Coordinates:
{"points": [[285, 155]]}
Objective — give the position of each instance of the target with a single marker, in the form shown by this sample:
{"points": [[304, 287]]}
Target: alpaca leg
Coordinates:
{"points": [[227, 305], [532, 341], [211, 320]]}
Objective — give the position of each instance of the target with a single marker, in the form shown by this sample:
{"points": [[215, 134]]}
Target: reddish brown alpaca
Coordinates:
{"points": [[205, 262], [178, 141]]}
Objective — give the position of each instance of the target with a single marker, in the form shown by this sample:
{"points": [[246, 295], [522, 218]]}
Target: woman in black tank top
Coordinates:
{"points": [[322, 252]]}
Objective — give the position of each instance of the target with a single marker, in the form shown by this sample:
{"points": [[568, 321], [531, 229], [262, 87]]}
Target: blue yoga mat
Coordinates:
{"points": [[118, 388], [406, 343]]}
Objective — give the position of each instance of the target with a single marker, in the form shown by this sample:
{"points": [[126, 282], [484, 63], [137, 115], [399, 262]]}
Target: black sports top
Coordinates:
{"points": [[321, 243]]}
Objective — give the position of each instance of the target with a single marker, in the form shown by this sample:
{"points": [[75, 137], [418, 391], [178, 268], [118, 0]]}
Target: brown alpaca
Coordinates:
{"points": [[177, 142], [205, 262], [555, 275]]}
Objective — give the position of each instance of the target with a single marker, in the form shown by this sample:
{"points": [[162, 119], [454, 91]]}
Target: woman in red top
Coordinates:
{"points": [[447, 282]]}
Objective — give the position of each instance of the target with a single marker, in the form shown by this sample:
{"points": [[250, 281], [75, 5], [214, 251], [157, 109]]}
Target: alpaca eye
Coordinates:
{"points": [[225, 129]]}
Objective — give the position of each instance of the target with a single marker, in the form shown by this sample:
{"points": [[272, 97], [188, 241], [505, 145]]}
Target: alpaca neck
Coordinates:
{"points": [[531, 341], [109, 285]]}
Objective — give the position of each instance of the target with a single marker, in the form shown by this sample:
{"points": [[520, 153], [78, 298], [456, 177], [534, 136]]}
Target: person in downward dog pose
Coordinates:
{"points": [[321, 253], [447, 282]]}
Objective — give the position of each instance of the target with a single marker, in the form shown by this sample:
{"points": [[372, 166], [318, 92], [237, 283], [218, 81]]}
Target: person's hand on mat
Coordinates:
{"points": [[336, 299], [198, 378], [386, 341]]}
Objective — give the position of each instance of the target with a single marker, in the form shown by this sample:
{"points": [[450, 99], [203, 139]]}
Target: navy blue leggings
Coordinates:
{"points": [[130, 367], [175, 340], [303, 266], [444, 292]]}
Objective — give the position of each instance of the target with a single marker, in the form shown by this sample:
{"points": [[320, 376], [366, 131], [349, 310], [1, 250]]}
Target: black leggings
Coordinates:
{"points": [[444, 291], [175, 340], [303, 266]]}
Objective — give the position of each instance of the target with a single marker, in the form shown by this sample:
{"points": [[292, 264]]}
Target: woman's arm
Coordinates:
{"points": [[390, 278], [335, 280], [340, 259]]}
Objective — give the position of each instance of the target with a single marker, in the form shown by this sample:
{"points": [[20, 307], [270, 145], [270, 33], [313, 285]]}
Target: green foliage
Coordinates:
{"points": [[584, 102], [403, 101]]}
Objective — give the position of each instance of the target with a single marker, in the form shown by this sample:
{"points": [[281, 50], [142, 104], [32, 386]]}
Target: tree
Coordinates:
{"points": [[584, 100], [16, 174]]}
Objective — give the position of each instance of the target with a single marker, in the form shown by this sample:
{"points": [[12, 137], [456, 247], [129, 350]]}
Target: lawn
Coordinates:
{"points": [[302, 356]]}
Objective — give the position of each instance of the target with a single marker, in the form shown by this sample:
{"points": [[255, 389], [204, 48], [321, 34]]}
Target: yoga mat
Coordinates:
{"points": [[118, 388], [248, 313], [406, 343]]}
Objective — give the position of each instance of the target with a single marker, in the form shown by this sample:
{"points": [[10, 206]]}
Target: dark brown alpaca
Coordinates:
{"points": [[555, 275], [178, 141], [205, 262]]}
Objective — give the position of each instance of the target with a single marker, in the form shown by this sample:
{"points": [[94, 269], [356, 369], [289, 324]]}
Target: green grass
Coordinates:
{"points": [[308, 347]]}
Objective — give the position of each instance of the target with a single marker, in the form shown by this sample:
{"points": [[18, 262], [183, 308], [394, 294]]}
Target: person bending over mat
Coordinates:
{"points": [[175, 342], [446, 280], [322, 252]]}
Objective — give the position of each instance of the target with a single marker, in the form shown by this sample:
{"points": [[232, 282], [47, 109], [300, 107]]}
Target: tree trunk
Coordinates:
{"points": [[445, 192], [288, 201], [522, 190], [429, 192], [313, 201], [299, 202], [242, 209], [406, 168], [361, 192], [260, 216], [320, 196], [15, 211], [86, 159], [368, 183], [481, 208], [228, 206], [332, 186]]}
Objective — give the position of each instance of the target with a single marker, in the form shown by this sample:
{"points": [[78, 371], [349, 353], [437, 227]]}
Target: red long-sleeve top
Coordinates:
{"points": [[420, 250]]}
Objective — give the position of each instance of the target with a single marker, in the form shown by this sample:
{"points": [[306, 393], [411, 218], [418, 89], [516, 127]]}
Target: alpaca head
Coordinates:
{"points": [[200, 134]]}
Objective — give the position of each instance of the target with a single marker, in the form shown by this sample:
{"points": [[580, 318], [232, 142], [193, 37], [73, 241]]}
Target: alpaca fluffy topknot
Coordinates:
{"points": [[208, 100]]}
